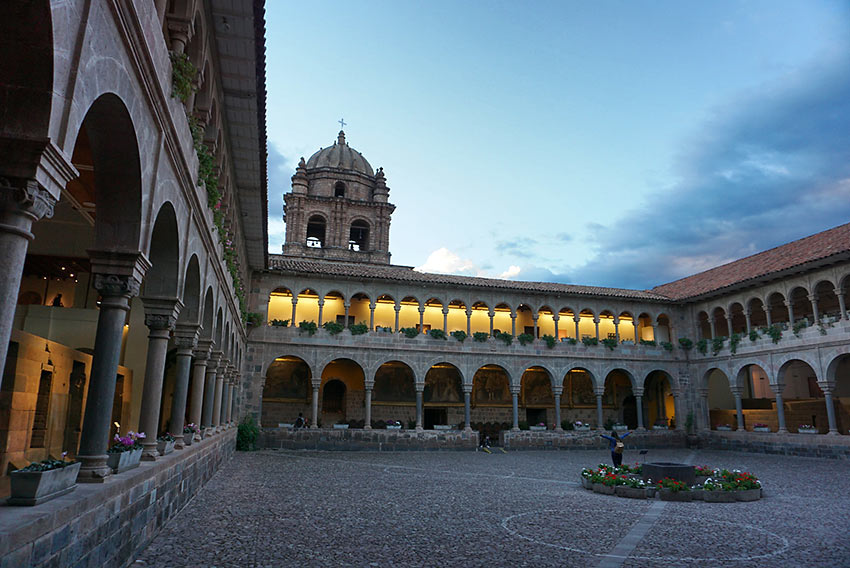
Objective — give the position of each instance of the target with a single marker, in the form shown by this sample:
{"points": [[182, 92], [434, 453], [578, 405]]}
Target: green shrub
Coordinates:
{"points": [[610, 343], [279, 323], [648, 342], [754, 335], [567, 425], [309, 327], [247, 435], [549, 340], [183, 74], [667, 346], [480, 336], [523, 425], [734, 340], [504, 336], [358, 328], [459, 335], [409, 332], [333, 327], [525, 338], [702, 346], [254, 318], [686, 343], [588, 341], [437, 334], [774, 332], [571, 341], [717, 344]]}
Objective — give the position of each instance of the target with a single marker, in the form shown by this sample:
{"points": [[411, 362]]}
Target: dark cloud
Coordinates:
{"points": [[521, 247], [771, 168]]}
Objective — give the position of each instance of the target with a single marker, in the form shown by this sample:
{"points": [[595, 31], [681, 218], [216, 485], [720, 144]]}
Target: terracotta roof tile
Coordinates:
{"points": [[407, 275], [808, 249]]}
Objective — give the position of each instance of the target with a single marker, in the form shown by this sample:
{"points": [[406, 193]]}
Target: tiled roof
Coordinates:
{"points": [[406, 274], [786, 257]]}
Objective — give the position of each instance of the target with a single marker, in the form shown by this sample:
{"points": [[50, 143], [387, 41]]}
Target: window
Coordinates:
{"points": [[339, 189], [316, 232], [358, 238]]}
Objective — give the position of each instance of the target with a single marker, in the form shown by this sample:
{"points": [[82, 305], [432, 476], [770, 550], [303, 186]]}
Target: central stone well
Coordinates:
{"points": [[657, 471]]}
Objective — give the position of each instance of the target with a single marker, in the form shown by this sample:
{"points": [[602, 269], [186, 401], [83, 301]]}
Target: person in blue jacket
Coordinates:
{"points": [[616, 446]]}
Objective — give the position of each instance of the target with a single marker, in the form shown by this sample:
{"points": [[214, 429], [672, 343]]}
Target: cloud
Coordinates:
{"points": [[280, 170], [521, 246], [444, 261], [766, 169]]}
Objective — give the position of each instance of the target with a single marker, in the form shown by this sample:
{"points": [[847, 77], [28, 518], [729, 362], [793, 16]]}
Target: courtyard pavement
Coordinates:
{"points": [[306, 508]]}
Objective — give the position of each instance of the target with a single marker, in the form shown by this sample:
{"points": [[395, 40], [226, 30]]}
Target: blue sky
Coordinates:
{"points": [[621, 144]]}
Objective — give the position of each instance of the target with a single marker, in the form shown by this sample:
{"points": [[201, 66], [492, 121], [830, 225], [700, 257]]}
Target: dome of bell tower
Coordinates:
{"points": [[340, 156]]}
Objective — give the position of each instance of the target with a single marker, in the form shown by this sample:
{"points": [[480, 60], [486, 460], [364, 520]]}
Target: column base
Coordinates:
{"points": [[782, 431], [640, 429], [468, 429], [833, 433], [197, 438], [515, 430], [93, 469], [150, 452], [559, 429], [179, 444], [367, 427]]}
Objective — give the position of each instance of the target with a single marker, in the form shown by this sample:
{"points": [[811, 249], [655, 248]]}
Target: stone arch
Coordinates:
{"points": [[218, 329], [408, 315], [286, 390], [443, 395], [394, 391], [385, 312], [208, 315], [720, 397], [536, 396], [703, 325], [646, 331], [801, 306], [626, 326], [280, 306], [457, 320], [161, 280], [479, 319], [619, 386], [758, 315], [607, 330], [191, 297], [778, 309], [802, 395], [663, 328], [829, 309], [721, 324], [358, 235], [317, 228], [546, 321], [433, 316], [658, 388], [491, 385]]}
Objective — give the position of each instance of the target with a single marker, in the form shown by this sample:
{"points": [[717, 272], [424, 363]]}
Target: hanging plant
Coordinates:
{"points": [[734, 340], [717, 344], [460, 335], [702, 346], [610, 343], [437, 334], [480, 336], [183, 74], [549, 340], [686, 343], [358, 328], [525, 338]]}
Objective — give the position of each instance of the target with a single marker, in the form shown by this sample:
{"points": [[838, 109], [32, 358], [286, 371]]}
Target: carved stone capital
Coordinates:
{"points": [[26, 197], [161, 313], [116, 285], [160, 321]]}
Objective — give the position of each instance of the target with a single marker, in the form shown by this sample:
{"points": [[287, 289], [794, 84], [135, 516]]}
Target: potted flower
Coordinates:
{"points": [[747, 487], [393, 425], [40, 482], [189, 431], [165, 443], [718, 491], [126, 452], [723, 427], [761, 427], [586, 476], [702, 473], [607, 484], [631, 488], [807, 429], [580, 426], [539, 427], [674, 490]]}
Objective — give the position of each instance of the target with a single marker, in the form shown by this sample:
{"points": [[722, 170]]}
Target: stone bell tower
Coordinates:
{"points": [[338, 208]]}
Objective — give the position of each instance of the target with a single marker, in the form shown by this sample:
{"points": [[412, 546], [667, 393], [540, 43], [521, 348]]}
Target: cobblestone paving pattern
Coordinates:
{"points": [[305, 508]]}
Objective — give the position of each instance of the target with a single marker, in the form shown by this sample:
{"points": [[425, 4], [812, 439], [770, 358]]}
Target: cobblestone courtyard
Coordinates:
{"points": [[299, 508]]}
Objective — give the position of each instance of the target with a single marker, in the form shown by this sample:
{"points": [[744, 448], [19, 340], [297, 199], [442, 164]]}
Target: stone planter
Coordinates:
{"points": [[394, 427], [681, 496], [808, 432], [630, 492], [535, 428], [620, 428], [442, 427], [724, 428], [660, 427], [697, 494], [122, 461], [34, 487], [164, 448], [188, 438], [340, 426], [586, 483], [603, 489], [761, 429], [719, 496], [747, 494], [585, 428], [700, 479]]}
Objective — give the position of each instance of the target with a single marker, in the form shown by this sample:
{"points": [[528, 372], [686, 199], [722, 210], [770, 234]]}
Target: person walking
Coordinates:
{"points": [[616, 445]]}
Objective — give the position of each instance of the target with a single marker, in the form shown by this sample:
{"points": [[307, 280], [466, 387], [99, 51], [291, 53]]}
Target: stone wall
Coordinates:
{"points": [[552, 440], [804, 445], [106, 524], [375, 440]]}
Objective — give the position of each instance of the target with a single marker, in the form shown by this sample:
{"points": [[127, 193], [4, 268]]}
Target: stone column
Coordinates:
{"points": [[729, 324], [767, 315], [713, 327], [469, 322], [160, 317], [368, 421], [116, 291], [747, 315], [639, 403], [596, 325], [636, 323], [739, 412], [557, 394], [218, 389], [315, 409], [577, 319], [534, 319], [492, 314], [294, 303], [228, 412], [21, 203], [347, 306], [790, 306], [617, 329], [397, 309], [186, 340], [830, 408], [813, 298], [513, 324], [515, 407], [228, 380], [467, 409], [679, 421], [446, 321], [199, 371], [841, 307], [209, 392], [599, 419], [420, 388], [703, 404], [780, 409], [321, 309], [421, 318], [372, 316], [556, 318]]}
